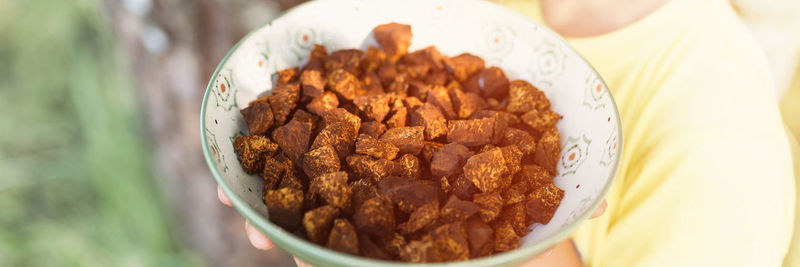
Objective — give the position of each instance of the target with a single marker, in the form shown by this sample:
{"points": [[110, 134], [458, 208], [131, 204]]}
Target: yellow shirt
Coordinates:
{"points": [[706, 177], [790, 107]]}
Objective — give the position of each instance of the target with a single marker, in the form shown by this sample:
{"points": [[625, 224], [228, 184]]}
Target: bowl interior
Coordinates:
{"points": [[590, 133]]}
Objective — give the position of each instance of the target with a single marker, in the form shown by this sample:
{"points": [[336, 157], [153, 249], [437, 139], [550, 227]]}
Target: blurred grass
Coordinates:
{"points": [[76, 186]]}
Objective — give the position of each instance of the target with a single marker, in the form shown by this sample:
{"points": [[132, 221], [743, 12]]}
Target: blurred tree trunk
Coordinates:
{"points": [[172, 47]]}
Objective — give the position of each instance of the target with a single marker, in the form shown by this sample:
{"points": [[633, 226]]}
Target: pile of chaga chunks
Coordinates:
{"points": [[403, 156]]}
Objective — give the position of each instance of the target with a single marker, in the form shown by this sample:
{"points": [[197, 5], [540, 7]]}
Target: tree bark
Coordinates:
{"points": [[171, 48]]}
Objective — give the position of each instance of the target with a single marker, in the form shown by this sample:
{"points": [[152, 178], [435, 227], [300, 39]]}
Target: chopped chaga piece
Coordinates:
{"points": [[320, 105], [547, 150], [340, 135], [387, 73], [437, 78], [420, 218], [524, 97], [372, 128], [344, 83], [511, 119], [272, 173], [285, 207], [491, 82], [345, 59], [419, 251], [318, 222], [313, 83], [375, 107], [362, 189], [540, 120], [416, 71], [333, 188], [399, 86], [522, 139], [486, 147], [429, 148], [440, 97], [503, 120], [343, 237], [408, 194], [463, 188], [311, 201], [513, 158], [480, 236], [344, 116], [409, 166], [263, 99], [489, 205], [366, 167], [418, 89], [407, 139], [340, 131], [274, 170], [543, 202], [399, 115], [495, 104], [517, 216], [283, 100], [412, 103], [464, 65], [372, 85], [429, 56], [320, 161], [393, 38], [505, 238], [286, 76], [449, 160], [471, 133], [368, 145], [373, 59], [303, 116], [291, 180], [517, 192], [369, 249], [429, 116], [316, 59], [444, 183], [293, 138], [450, 242], [258, 116], [375, 216], [453, 85], [391, 244], [487, 170], [467, 103], [252, 151], [457, 210], [535, 175]]}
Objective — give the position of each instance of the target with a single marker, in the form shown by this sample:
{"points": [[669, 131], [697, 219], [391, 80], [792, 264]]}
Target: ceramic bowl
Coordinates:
{"points": [[591, 137]]}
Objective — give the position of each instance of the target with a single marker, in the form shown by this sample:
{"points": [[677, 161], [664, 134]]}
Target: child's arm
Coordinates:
{"points": [[582, 18]]}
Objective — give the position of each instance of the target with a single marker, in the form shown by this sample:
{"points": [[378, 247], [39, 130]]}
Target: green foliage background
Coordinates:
{"points": [[76, 185]]}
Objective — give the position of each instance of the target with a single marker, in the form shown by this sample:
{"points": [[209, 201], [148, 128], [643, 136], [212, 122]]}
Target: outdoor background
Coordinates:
{"points": [[100, 160]]}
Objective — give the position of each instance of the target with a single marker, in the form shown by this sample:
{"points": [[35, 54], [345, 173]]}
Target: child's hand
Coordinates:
{"points": [[552, 255]]}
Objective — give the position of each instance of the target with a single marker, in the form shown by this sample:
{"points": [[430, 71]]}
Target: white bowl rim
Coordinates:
{"points": [[283, 238]]}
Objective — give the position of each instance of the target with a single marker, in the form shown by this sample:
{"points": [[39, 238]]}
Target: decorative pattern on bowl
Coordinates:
{"points": [[590, 131]]}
